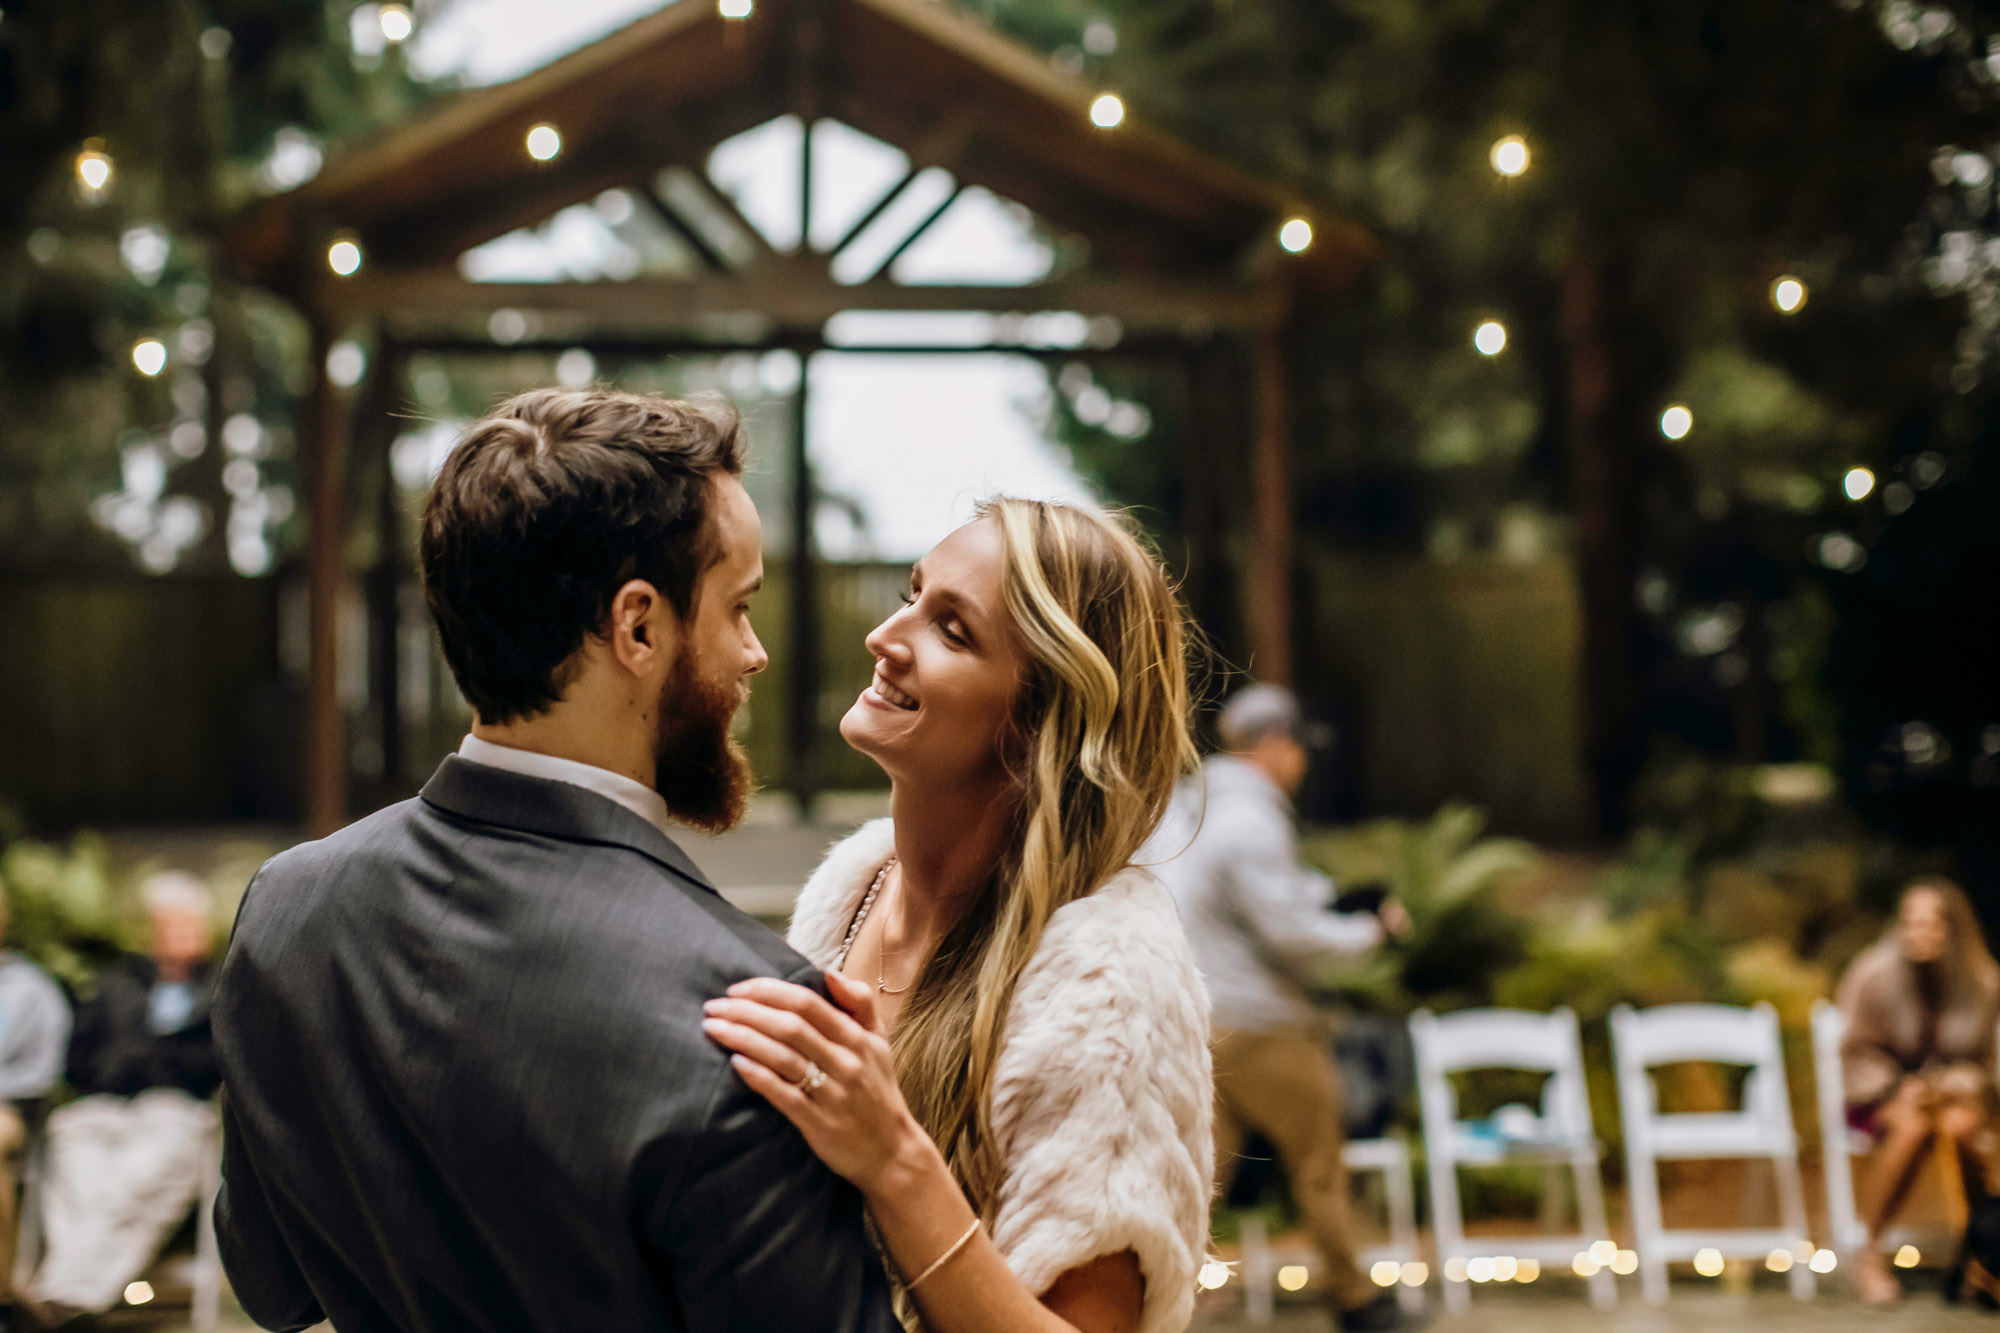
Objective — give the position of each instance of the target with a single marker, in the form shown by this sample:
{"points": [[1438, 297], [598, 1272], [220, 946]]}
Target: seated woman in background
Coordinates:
{"points": [[1922, 1011]]}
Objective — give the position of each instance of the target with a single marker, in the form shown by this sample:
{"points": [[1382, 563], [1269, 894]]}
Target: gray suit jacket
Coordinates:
{"points": [[467, 1088]]}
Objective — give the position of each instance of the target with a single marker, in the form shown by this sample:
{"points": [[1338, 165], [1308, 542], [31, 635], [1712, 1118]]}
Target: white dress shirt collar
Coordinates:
{"points": [[635, 796]]}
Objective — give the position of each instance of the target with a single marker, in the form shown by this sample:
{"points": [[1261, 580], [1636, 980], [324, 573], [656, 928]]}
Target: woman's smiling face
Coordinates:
{"points": [[948, 668]]}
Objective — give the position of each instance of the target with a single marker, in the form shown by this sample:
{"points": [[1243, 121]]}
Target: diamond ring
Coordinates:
{"points": [[811, 1081]]}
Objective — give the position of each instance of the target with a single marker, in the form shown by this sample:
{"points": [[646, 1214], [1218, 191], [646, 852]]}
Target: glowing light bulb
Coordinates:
{"points": [[1530, 1270], [1708, 1263], [344, 257], [1823, 1262], [734, 9], [1385, 1272], [1676, 422], [1858, 483], [1213, 1274], [1416, 1274], [1292, 1277], [1510, 155], [150, 356], [1779, 1261], [1296, 235], [1490, 338], [1583, 1265], [1907, 1257], [544, 142], [138, 1293], [93, 166], [1625, 1263], [1788, 294], [1107, 112], [397, 23]]}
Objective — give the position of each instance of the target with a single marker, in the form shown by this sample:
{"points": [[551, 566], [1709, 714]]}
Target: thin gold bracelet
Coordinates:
{"points": [[944, 1258]]}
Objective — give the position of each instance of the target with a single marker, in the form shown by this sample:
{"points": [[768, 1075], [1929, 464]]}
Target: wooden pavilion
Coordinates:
{"points": [[1183, 254]]}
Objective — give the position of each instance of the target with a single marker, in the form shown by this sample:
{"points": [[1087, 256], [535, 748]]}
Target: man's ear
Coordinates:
{"points": [[644, 632]]}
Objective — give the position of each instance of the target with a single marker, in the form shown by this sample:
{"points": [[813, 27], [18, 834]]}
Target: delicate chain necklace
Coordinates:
{"points": [[854, 930]]}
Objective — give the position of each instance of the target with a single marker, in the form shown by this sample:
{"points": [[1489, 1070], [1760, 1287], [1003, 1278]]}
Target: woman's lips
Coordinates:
{"points": [[892, 696]]}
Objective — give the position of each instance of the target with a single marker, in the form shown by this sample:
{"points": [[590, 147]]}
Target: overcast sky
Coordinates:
{"points": [[915, 439]]}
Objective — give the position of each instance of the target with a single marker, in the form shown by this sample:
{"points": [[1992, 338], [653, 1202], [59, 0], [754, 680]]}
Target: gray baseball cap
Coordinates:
{"points": [[1256, 711]]}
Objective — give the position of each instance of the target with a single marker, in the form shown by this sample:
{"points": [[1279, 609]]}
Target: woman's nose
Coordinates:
{"points": [[886, 639]]}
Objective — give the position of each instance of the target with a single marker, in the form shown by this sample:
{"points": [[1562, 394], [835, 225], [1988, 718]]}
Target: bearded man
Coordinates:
{"points": [[466, 1082]]}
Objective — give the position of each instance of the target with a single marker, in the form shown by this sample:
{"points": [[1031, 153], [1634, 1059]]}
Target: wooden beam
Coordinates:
{"points": [[324, 445], [792, 294], [1267, 589], [804, 646]]}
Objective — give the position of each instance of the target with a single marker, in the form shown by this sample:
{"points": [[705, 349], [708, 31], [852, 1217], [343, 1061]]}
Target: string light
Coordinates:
{"points": [[397, 23], [93, 167], [1296, 235], [1788, 294], [1107, 112], [344, 256], [1213, 1274], [1676, 422], [1708, 1262], [1292, 1277], [138, 1293], [1490, 338], [1907, 1257], [734, 9], [1858, 483], [1385, 1272], [150, 356], [1510, 155], [544, 142]]}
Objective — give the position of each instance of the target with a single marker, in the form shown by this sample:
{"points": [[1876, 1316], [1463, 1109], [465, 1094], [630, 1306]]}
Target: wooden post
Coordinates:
{"points": [[802, 637], [323, 442], [1267, 572]]}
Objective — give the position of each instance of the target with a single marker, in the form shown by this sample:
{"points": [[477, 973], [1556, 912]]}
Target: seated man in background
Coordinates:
{"points": [[125, 1160], [34, 1034]]}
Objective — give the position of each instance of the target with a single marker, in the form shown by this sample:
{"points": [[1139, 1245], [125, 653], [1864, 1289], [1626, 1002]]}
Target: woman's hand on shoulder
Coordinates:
{"points": [[827, 1069]]}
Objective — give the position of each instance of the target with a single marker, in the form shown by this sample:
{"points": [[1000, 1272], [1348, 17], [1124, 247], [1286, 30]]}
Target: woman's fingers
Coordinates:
{"points": [[786, 1097], [856, 997], [795, 999], [743, 1039]]}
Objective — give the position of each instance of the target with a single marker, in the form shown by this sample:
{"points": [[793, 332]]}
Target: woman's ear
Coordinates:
{"points": [[644, 632]]}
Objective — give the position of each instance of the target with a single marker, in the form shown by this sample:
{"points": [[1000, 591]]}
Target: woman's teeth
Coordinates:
{"points": [[889, 693]]}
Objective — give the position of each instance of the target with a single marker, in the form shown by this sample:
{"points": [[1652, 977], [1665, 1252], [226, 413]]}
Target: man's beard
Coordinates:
{"points": [[702, 773]]}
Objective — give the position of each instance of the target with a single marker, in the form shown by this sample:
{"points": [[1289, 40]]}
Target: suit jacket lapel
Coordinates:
{"points": [[553, 809]]}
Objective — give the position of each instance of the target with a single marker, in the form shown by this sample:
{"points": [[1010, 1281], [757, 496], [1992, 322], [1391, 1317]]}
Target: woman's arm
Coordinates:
{"points": [[859, 1124]]}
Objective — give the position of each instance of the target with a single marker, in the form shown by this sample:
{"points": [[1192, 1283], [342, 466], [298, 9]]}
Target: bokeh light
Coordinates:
{"points": [[1779, 1261], [1823, 1262], [734, 9], [1385, 1272], [1296, 235], [1490, 338], [1292, 1277], [1510, 155], [93, 167], [397, 23], [1859, 483], [544, 142], [344, 257], [1708, 1262], [1788, 294], [1213, 1274], [1107, 112], [150, 356], [1676, 422], [138, 1293], [1908, 1257]]}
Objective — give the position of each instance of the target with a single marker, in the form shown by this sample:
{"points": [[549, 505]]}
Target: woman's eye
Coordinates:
{"points": [[951, 636], [907, 598]]}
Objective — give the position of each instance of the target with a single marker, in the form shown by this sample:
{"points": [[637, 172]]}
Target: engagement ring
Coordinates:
{"points": [[810, 1081]]}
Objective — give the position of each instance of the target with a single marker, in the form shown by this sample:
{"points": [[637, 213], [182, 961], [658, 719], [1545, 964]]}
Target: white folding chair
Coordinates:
{"points": [[1840, 1144], [1390, 1156], [205, 1304], [1487, 1039], [1642, 1040]]}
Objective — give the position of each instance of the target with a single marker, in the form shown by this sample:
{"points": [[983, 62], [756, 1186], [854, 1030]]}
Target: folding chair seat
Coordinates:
{"points": [[1559, 1136], [1641, 1041]]}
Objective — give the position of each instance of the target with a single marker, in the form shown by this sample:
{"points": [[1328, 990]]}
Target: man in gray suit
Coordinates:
{"points": [[466, 1086]]}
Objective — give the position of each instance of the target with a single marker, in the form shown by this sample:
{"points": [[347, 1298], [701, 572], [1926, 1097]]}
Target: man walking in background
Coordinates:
{"points": [[1261, 925]]}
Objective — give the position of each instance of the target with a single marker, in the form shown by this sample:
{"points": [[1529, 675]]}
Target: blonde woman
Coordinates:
{"points": [[1018, 1076]]}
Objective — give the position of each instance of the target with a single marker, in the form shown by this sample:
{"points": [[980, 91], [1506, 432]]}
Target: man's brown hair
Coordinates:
{"points": [[545, 509]]}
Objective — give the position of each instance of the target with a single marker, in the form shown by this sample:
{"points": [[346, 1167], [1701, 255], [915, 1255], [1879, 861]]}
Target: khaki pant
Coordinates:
{"points": [[1283, 1085], [13, 1138]]}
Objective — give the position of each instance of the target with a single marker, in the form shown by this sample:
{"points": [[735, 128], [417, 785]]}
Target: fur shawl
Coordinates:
{"points": [[1102, 1097]]}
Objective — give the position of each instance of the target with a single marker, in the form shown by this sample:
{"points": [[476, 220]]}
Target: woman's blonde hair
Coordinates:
{"points": [[1099, 735]]}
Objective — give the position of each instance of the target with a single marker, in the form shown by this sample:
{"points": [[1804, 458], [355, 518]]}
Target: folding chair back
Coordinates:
{"points": [[1641, 1041], [1561, 1135]]}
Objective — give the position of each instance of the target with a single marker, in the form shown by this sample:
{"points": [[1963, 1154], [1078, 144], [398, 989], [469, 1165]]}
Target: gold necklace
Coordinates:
{"points": [[882, 952]]}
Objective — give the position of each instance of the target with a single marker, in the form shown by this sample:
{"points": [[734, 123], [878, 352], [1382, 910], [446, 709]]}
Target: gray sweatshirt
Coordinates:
{"points": [[34, 1029], [1256, 919]]}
